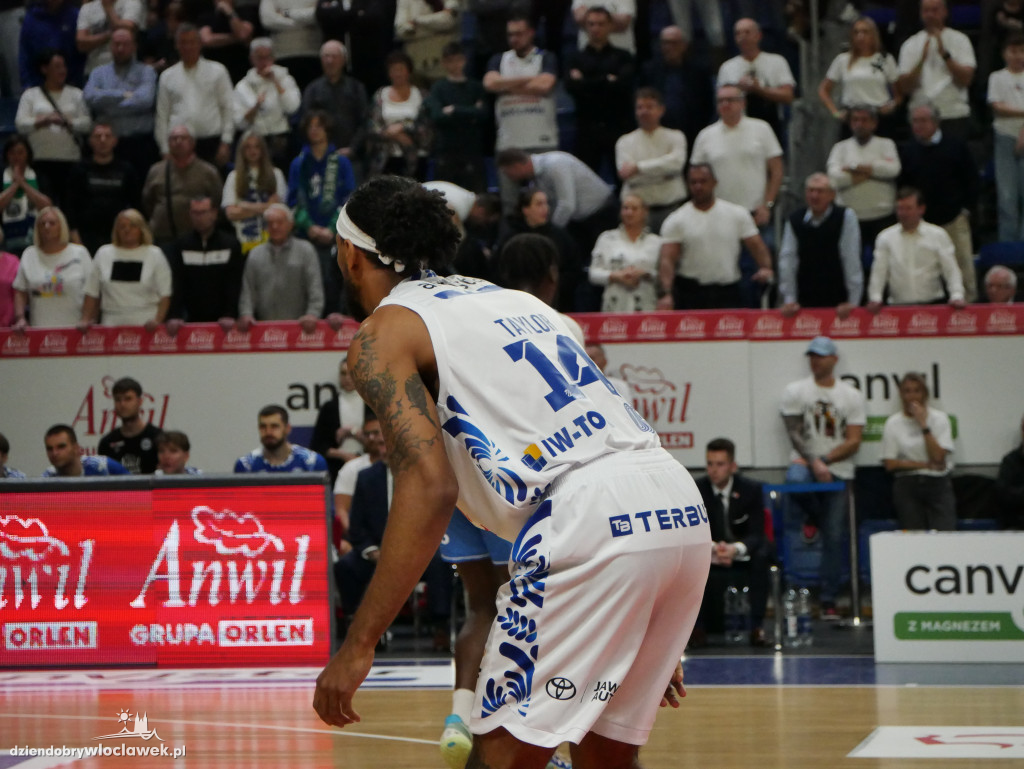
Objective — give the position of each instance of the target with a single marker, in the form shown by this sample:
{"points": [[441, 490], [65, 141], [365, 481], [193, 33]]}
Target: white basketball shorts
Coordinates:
{"points": [[607, 578]]}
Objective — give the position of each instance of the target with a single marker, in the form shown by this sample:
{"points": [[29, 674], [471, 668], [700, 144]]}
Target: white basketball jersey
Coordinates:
{"points": [[519, 400]]}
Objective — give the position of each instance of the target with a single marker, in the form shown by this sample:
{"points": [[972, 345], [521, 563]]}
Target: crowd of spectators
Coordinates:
{"points": [[123, 107]]}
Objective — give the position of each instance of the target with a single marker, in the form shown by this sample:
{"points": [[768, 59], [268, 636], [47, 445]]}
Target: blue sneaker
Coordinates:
{"points": [[456, 742]]}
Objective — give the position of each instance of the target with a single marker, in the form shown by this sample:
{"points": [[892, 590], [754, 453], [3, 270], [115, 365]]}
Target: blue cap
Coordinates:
{"points": [[822, 345]]}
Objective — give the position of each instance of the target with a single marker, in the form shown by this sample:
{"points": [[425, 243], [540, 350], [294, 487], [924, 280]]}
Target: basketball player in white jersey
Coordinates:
{"points": [[487, 402]]}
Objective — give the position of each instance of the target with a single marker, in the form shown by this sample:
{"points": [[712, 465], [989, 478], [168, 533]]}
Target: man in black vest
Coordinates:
{"points": [[819, 262], [740, 551]]}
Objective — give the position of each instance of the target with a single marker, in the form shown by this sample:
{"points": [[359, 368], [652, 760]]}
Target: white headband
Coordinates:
{"points": [[349, 230]]}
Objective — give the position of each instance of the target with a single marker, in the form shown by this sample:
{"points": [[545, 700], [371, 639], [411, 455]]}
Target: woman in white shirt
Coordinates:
{"points": [[625, 261], [917, 443], [398, 139], [130, 280], [55, 118], [50, 284], [866, 74], [251, 187]]}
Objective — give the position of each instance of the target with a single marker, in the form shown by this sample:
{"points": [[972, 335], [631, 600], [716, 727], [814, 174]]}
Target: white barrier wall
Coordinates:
{"points": [[694, 376]]}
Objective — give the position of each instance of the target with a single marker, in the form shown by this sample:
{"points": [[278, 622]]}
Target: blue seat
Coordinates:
{"points": [[1010, 253], [965, 17]]}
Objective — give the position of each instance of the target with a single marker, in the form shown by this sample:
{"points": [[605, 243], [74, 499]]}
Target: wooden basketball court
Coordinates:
{"points": [[261, 720]]}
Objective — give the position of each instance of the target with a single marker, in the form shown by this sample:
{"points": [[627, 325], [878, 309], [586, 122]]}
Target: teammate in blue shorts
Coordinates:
{"points": [[66, 460], [486, 401], [481, 559]]}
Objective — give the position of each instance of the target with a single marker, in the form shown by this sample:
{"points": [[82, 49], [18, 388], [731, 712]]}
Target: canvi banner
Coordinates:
{"points": [[202, 572], [949, 597]]}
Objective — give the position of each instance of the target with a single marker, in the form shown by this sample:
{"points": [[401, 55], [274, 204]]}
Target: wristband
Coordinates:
{"points": [[926, 430], [947, 56]]}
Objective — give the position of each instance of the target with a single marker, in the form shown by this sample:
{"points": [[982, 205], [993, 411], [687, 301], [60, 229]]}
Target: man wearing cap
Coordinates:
{"points": [[824, 418]]}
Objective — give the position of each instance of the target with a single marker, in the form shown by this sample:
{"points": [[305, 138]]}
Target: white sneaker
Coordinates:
{"points": [[557, 762], [456, 742]]}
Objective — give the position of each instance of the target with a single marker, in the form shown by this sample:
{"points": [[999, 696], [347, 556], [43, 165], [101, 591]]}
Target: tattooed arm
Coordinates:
{"points": [[389, 358], [795, 429]]}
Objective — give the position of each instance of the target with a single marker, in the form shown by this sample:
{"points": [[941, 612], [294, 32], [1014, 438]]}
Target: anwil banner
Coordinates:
{"points": [[228, 572], [694, 376]]}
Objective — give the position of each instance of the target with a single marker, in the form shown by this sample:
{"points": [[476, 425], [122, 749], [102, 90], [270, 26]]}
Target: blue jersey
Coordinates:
{"points": [[301, 460], [520, 402], [94, 466]]}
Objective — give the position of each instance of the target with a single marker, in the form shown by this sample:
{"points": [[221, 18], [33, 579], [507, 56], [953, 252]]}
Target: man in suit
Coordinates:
{"points": [[368, 516], [740, 551]]}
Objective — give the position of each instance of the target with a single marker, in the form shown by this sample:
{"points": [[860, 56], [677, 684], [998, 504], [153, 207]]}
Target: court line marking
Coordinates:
{"points": [[229, 724]]}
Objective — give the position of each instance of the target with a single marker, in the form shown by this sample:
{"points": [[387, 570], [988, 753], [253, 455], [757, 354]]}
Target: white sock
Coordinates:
{"points": [[462, 703]]}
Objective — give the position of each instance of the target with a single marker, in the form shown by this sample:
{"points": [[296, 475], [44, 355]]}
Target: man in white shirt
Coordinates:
{"points": [[699, 263], [650, 160], [914, 259], [863, 170], [746, 157], [196, 92], [824, 418], [764, 77], [937, 66]]}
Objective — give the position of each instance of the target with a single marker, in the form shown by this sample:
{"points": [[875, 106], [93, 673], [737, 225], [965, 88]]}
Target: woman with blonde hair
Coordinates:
{"points": [[130, 280], [866, 74], [49, 288], [625, 261], [251, 187], [917, 442]]}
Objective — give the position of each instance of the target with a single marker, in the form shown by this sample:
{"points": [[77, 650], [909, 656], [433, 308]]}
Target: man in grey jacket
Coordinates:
{"points": [[282, 277]]}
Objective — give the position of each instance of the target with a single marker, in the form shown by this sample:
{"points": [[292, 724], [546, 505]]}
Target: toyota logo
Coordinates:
{"points": [[560, 688]]}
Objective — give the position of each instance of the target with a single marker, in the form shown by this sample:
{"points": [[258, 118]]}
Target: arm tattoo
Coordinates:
{"points": [[417, 394], [795, 428], [405, 439], [377, 386]]}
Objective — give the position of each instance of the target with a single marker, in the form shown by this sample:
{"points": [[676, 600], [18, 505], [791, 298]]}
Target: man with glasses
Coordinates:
{"points": [[745, 155]]}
